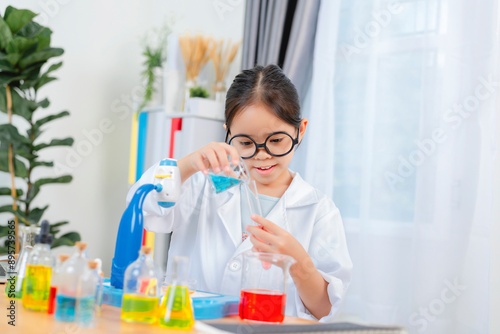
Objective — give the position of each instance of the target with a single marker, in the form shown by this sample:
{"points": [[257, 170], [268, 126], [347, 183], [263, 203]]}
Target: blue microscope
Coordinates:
{"points": [[167, 184]]}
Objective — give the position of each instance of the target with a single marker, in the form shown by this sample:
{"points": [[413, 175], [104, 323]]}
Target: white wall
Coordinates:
{"points": [[495, 246], [102, 65]]}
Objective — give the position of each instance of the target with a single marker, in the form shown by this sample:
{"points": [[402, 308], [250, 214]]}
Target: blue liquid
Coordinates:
{"points": [[86, 310], [65, 308], [222, 183]]}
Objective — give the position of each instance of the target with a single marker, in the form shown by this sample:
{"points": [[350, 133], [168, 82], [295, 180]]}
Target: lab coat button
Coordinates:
{"points": [[235, 265]]}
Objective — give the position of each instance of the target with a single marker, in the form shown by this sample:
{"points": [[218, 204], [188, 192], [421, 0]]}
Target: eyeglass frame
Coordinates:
{"points": [[263, 145]]}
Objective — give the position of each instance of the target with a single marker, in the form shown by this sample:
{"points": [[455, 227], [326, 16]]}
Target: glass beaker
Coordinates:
{"points": [[263, 286], [223, 180]]}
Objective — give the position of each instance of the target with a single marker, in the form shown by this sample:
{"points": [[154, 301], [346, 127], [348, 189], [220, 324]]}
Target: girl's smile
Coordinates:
{"points": [[265, 170]]}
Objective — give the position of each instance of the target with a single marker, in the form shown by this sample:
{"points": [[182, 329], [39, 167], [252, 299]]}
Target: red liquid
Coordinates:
{"points": [[52, 300], [262, 305]]}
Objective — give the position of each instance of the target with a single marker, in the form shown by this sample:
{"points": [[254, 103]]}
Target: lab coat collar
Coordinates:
{"points": [[300, 193]]}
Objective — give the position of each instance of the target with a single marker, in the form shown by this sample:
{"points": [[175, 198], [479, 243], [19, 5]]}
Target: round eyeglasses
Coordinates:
{"points": [[277, 144]]}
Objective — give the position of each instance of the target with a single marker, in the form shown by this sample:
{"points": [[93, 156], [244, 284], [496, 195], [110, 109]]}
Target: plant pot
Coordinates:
{"points": [[205, 108]]}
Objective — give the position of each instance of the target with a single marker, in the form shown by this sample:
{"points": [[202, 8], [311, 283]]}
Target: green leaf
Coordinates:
{"points": [[40, 56], [43, 38], [31, 49], [56, 225], [20, 169], [42, 163], [6, 65], [35, 214], [4, 230], [54, 67], [20, 106], [55, 142], [7, 192], [44, 103], [35, 187], [8, 10], [62, 241], [44, 79], [31, 74], [60, 179], [5, 34], [73, 236], [30, 30], [3, 100], [49, 118], [18, 18], [9, 134], [6, 208], [12, 60], [20, 44], [32, 192], [7, 78]]}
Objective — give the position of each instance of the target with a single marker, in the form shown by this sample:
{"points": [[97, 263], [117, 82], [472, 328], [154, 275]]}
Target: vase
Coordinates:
{"points": [[219, 89], [190, 83]]}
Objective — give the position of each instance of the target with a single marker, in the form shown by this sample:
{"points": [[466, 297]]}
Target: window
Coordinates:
{"points": [[384, 79]]}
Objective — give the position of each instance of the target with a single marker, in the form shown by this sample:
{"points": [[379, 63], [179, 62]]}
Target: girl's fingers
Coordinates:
{"points": [[235, 156], [267, 225], [260, 245], [261, 235], [213, 160], [221, 153]]}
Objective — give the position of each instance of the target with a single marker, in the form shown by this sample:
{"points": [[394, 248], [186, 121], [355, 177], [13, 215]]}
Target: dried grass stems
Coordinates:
{"points": [[195, 52], [222, 54]]}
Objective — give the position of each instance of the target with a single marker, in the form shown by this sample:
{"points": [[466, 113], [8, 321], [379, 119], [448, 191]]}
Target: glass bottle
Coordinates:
{"points": [[99, 287], [86, 296], [36, 283], [141, 290], [69, 280], [176, 311], [14, 287], [54, 282]]}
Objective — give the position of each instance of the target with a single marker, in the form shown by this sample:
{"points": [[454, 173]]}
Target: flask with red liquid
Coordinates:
{"points": [[263, 286]]}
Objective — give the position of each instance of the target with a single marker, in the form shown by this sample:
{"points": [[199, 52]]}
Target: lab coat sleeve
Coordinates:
{"points": [[159, 219], [328, 250]]}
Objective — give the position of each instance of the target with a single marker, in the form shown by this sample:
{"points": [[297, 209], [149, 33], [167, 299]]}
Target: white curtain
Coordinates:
{"points": [[401, 136]]}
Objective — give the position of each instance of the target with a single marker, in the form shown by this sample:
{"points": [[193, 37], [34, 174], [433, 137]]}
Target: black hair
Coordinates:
{"points": [[267, 85]]}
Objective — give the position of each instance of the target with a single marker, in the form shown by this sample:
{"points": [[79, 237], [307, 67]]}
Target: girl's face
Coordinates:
{"points": [[270, 173]]}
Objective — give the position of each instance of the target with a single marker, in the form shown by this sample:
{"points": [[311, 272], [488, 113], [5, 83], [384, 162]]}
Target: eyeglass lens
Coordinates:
{"points": [[277, 144]]}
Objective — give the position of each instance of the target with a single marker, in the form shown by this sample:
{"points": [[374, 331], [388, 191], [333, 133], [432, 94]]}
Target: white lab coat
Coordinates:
{"points": [[207, 229]]}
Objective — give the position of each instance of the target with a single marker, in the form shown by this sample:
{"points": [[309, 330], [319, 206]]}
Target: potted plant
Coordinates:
{"points": [[155, 57], [25, 52]]}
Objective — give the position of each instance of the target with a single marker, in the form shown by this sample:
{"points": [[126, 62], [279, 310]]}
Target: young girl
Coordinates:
{"points": [[264, 127]]}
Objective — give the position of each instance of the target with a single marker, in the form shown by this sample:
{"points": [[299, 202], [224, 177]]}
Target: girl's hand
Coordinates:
{"points": [[270, 238], [213, 156]]}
